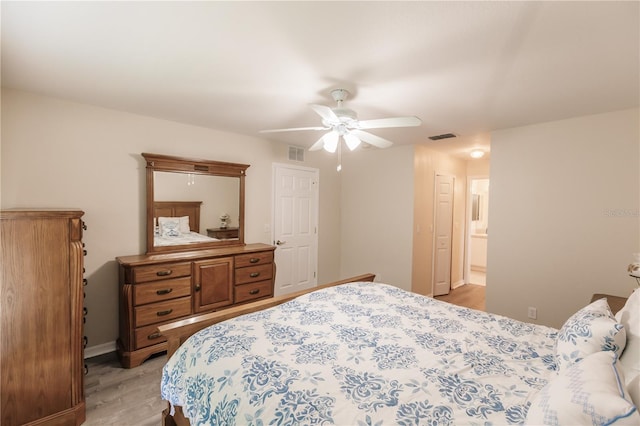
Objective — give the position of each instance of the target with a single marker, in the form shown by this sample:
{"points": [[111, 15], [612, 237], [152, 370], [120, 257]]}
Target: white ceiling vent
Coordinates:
{"points": [[296, 153]]}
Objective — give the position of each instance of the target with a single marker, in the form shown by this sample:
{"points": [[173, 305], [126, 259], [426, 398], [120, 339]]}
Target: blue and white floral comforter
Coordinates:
{"points": [[361, 354]]}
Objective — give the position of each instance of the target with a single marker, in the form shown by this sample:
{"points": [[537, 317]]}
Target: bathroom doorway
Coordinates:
{"points": [[477, 230]]}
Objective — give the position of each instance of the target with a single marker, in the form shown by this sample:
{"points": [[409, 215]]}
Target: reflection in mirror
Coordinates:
{"points": [[219, 196], [193, 204]]}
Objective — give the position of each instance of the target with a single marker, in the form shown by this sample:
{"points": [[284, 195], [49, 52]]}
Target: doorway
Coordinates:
{"points": [[443, 221], [295, 227], [477, 230]]}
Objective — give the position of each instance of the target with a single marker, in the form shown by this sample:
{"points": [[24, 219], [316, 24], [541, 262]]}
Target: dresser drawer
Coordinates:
{"points": [[161, 290], [253, 259], [161, 272], [246, 292], [148, 335], [253, 273], [162, 311]]}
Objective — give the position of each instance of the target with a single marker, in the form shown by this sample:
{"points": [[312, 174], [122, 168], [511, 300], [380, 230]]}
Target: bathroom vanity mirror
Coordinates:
{"points": [[193, 203]]}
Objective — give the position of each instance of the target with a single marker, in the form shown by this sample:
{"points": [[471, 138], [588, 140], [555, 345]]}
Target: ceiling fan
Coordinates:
{"points": [[341, 121]]}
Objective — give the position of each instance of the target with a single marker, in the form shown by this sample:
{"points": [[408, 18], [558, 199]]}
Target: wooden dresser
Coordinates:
{"points": [[41, 312], [159, 288]]}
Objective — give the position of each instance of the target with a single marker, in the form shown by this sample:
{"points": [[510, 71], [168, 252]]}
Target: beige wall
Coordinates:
{"points": [[57, 153], [428, 163], [479, 167], [564, 214], [377, 214]]}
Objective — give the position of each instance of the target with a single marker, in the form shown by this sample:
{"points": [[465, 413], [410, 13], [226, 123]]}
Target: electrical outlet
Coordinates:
{"points": [[532, 312]]}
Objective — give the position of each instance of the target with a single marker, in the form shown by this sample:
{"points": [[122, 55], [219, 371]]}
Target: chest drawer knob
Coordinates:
{"points": [[153, 336], [254, 260], [164, 273], [163, 313], [254, 291], [254, 274], [164, 291]]}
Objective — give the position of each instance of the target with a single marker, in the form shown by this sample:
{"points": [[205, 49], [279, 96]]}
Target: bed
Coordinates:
{"points": [[363, 353], [177, 223]]}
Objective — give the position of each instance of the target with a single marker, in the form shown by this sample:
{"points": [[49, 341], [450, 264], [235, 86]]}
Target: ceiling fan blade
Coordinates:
{"points": [[390, 122], [294, 129], [371, 139], [325, 112], [318, 145]]}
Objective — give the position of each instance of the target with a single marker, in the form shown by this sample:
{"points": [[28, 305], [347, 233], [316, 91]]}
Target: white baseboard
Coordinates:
{"points": [[457, 284], [104, 348]]}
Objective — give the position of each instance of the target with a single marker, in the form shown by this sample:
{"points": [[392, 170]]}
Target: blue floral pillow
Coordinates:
{"points": [[588, 392], [591, 329], [169, 226]]}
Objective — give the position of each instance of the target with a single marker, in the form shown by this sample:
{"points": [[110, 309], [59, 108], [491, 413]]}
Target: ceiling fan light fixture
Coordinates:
{"points": [[342, 121], [331, 141], [351, 141], [477, 153]]}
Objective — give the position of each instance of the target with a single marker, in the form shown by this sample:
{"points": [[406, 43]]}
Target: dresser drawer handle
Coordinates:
{"points": [[154, 335], [254, 260], [255, 291], [163, 313], [254, 274], [164, 273], [164, 291], [85, 341]]}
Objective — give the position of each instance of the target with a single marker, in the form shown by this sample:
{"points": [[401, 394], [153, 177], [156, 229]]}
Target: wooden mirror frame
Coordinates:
{"points": [[166, 163]]}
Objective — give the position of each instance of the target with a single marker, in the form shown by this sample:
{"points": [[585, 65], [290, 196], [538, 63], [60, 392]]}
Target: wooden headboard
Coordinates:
{"points": [[178, 209]]}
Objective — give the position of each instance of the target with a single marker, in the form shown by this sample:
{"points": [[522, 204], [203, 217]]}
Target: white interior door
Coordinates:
{"points": [[443, 229], [295, 229]]}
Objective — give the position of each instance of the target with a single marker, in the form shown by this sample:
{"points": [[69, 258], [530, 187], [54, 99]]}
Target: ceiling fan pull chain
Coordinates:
{"points": [[339, 156]]}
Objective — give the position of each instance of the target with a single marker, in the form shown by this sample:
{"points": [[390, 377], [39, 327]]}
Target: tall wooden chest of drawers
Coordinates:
{"points": [[159, 288], [41, 310]]}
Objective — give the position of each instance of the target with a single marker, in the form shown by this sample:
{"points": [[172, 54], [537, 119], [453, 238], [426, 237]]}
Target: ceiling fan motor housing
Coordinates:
{"points": [[345, 114]]}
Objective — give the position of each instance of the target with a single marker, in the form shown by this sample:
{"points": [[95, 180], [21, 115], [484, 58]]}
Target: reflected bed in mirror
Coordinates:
{"points": [[190, 201]]}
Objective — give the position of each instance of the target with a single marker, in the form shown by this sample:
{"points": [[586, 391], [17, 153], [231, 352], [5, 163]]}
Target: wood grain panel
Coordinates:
{"points": [[161, 290], [162, 311], [254, 259], [41, 318], [252, 291], [160, 272], [254, 273]]}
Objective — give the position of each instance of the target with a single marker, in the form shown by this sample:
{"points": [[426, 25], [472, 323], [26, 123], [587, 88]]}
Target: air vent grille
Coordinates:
{"points": [[442, 136], [296, 153]]}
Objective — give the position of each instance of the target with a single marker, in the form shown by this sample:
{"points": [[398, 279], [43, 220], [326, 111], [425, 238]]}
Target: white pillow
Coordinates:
{"points": [[591, 329], [629, 316], [184, 224], [633, 387], [588, 392], [169, 226]]}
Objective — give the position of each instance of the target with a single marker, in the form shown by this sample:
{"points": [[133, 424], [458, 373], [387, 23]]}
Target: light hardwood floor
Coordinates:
{"points": [[124, 397], [468, 295], [131, 397]]}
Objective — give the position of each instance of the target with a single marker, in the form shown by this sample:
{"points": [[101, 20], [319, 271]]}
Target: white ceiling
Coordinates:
{"points": [[462, 67]]}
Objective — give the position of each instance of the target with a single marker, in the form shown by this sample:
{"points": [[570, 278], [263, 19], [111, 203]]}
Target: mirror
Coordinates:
{"points": [[193, 204]]}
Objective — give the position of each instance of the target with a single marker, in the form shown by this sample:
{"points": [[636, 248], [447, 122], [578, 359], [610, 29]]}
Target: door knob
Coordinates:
{"points": [[280, 242]]}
